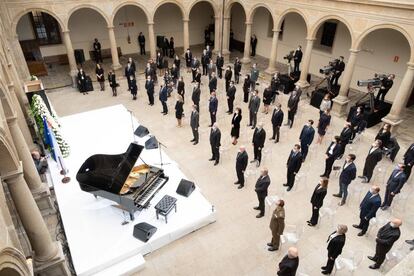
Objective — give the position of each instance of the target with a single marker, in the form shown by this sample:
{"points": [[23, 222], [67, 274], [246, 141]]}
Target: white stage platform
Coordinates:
{"points": [[99, 244]]}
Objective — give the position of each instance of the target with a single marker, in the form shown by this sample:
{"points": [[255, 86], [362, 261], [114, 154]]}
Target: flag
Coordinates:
{"points": [[47, 139], [57, 154]]}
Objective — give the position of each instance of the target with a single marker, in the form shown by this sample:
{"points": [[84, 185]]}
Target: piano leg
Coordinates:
{"points": [[131, 216], [95, 196]]}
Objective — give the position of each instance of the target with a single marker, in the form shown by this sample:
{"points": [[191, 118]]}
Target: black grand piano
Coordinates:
{"points": [[115, 177]]}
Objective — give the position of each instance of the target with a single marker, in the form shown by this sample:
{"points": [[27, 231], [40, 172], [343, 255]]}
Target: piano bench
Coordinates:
{"points": [[165, 206]]}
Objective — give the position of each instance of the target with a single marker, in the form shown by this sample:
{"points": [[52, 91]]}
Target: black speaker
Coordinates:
{"points": [[185, 188], [141, 131], [79, 56], [144, 231], [151, 143]]}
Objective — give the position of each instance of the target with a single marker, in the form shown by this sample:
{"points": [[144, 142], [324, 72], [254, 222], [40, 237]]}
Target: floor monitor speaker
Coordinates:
{"points": [[141, 131], [185, 188], [144, 231]]}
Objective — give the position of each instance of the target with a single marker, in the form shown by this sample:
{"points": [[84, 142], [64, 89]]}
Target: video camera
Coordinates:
{"points": [[375, 82], [289, 56], [326, 70]]}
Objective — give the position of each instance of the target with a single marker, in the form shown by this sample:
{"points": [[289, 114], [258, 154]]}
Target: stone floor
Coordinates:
{"points": [[236, 243]]}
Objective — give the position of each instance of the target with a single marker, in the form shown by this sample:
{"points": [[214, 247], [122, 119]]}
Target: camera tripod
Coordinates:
{"points": [[371, 96]]}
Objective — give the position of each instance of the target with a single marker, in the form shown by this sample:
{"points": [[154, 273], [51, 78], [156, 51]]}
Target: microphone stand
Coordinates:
{"points": [[159, 147]]}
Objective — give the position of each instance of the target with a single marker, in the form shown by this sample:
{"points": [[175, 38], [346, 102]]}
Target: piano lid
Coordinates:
{"points": [[108, 172]]}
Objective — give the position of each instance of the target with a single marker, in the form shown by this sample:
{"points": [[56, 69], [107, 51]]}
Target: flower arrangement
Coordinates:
{"points": [[40, 110]]}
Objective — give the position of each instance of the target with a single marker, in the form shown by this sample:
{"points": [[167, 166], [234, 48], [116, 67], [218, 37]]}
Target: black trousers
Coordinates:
{"points": [[335, 78], [304, 148], [276, 133], [98, 57], [368, 172], [195, 134], [246, 95], [380, 252], [193, 72], [230, 104], [330, 264], [253, 50], [204, 69], [257, 153], [213, 117], [164, 107], [342, 149], [150, 97], [387, 197], [296, 66], [363, 224], [252, 118], [240, 176], [220, 72], [114, 91], [227, 85], [407, 171], [328, 166], [261, 199], [291, 118], [236, 77], [315, 215], [142, 49], [381, 95], [290, 178], [216, 153], [172, 52]]}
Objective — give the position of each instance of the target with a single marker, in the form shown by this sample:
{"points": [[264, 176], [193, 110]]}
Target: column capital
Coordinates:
{"points": [[309, 39], [110, 27], [150, 22], [186, 20], [248, 23], [66, 31], [226, 17], [410, 65], [276, 30], [12, 176], [354, 51]]}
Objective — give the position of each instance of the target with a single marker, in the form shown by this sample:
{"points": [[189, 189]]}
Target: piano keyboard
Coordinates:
{"points": [[144, 199]]}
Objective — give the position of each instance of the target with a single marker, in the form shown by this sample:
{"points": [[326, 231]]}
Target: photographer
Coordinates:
{"points": [[297, 58], [386, 85], [339, 67], [40, 162]]}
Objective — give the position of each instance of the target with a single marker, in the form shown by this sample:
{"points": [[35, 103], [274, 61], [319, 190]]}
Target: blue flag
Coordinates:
{"points": [[47, 138]]}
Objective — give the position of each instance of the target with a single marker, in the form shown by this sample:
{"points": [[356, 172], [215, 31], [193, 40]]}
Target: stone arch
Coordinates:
{"points": [[251, 13], [315, 27], [212, 3], [278, 23], [228, 7], [19, 15], [364, 34], [178, 4], [129, 3], [87, 6], [13, 261]]}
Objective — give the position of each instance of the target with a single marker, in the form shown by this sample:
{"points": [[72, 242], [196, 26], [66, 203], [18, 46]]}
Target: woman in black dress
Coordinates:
{"points": [[181, 88], [100, 77], [177, 63], [134, 87], [235, 125], [324, 121], [179, 110], [112, 82], [267, 98], [246, 86], [82, 82], [384, 135], [318, 195]]}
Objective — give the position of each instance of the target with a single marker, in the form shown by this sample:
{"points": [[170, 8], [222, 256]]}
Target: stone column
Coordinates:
{"points": [[114, 50], [19, 58], [273, 53], [186, 34], [217, 29], [401, 98], [18, 89], [153, 51], [71, 56], [340, 103], [306, 63], [48, 255], [247, 37], [226, 36]]}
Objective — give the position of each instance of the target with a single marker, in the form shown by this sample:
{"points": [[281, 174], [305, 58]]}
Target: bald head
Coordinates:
{"points": [[242, 148], [396, 222], [292, 252]]}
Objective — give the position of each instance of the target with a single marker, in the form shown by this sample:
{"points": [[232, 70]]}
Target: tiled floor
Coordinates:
{"points": [[236, 243]]}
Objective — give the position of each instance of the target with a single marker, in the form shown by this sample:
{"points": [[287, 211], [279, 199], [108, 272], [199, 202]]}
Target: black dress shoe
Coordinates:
{"points": [[308, 221], [325, 272], [322, 175], [256, 208], [410, 241], [310, 224], [371, 258], [192, 140], [240, 186], [288, 189], [211, 159], [337, 195], [356, 226], [259, 216], [271, 249], [269, 244], [237, 182], [195, 143], [253, 127], [360, 234], [285, 184], [323, 267], [374, 266], [254, 160], [216, 163], [271, 138]]}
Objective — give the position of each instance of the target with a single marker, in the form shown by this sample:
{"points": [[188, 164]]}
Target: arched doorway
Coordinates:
{"points": [[236, 28], [202, 21]]}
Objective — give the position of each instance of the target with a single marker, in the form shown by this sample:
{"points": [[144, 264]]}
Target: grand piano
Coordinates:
{"points": [[115, 177]]}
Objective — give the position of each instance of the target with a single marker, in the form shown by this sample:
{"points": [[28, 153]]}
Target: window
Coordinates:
{"points": [[46, 28], [328, 34]]}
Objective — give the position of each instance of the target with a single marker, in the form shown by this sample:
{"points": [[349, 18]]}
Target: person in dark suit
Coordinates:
{"points": [[348, 174], [386, 237], [141, 42], [394, 185], [112, 82], [212, 84], [219, 65], [259, 137], [195, 96], [267, 99], [198, 76], [188, 60], [297, 58], [384, 134], [318, 195], [241, 164], [254, 105], [165, 46], [336, 242], [209, 52], [204, 61], [368, 209], [235, 125], [195, 66], [129, 71], [293, 105], [134, 87], [262, 184], [254, 76], [355, 119], [231, 94], [275, 84], [228, 73], [306, 138], [409, 161], [149, 86], [277, 225], [174, 74], [289, 264], [345, 136], [215, 137], [171, 47], [237, 70], [100, 76], [372, 159], [177, 62], [181, 88], [82, 81], [163, 98], [194, 123], [211, 69], [212, 107], [132, 62], [332, 153], [97, 51], [339, 68], [293, 165], [323, 124], [179, 110], [385, 87], [246, 88], [277, 120], [253, 43]]}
